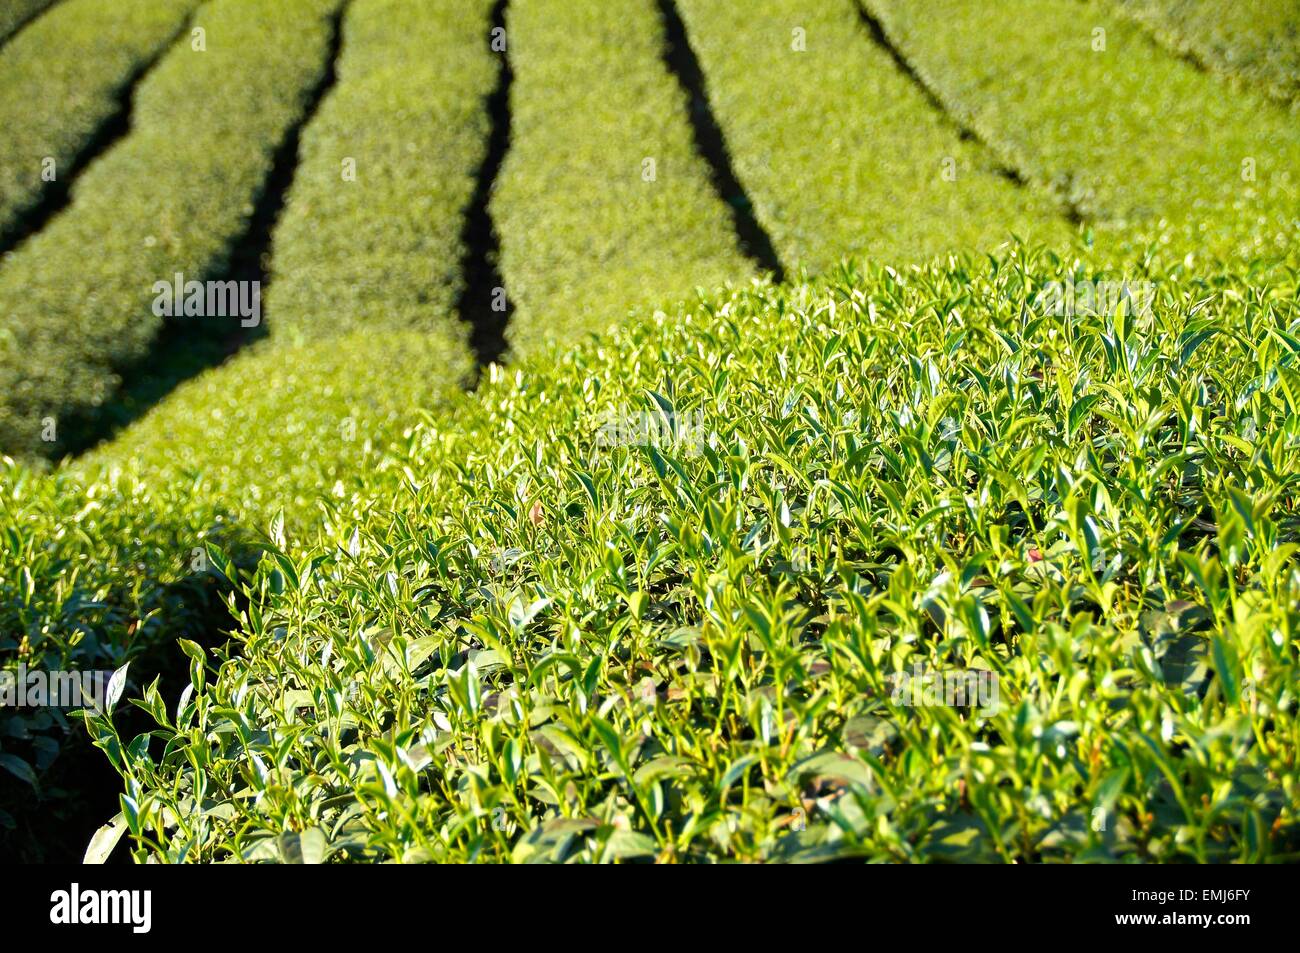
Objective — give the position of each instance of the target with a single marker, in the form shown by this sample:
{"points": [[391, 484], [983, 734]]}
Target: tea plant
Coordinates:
{"points": [[17, 12], [1253, 40], [881, 172], [1145, 145], [602, 205], [965, 560], [104, 562], [371, 237], [536, 645], [63, 79], [170, 198]]}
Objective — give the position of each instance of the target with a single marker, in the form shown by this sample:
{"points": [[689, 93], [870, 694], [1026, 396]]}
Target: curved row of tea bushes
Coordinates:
{"points": [[107, 561], [63, 79], [1256, 40], [15, 13], [683, 593], [840, 151], [79, 297], [244, 430], [603, 204], [1081, 100], [371, 237], [278, 437]]}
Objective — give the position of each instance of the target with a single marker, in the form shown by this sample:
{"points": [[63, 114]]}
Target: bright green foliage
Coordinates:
{"points": [[602, 205], [14, 13], [1256, 40], [1143, 143], [880, 172], [107, 562], [658, 595], [63, 78], [382, 249], [242, 430], [169, 199], [545, 642]]}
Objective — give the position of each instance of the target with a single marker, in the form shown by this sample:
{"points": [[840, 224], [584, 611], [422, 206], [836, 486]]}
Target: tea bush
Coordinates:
{"points": [[1255, 40], [105, 562], [974, 559], [170, 198], [63, 79], [880, 172], [603, 205], [382, 248], [559, 634], [17, 12], [1152, 150]]}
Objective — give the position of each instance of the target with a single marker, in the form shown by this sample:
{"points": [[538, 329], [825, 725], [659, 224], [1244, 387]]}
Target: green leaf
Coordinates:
{"points": [[19, 769], [116, 685], [104, 840], [1227, 665], [624, 844]]}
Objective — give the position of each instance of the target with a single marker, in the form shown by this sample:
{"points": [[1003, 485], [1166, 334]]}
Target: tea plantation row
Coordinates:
{"points": [[1251, 40], [169, 199], [554, 634], [63, 81]]}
